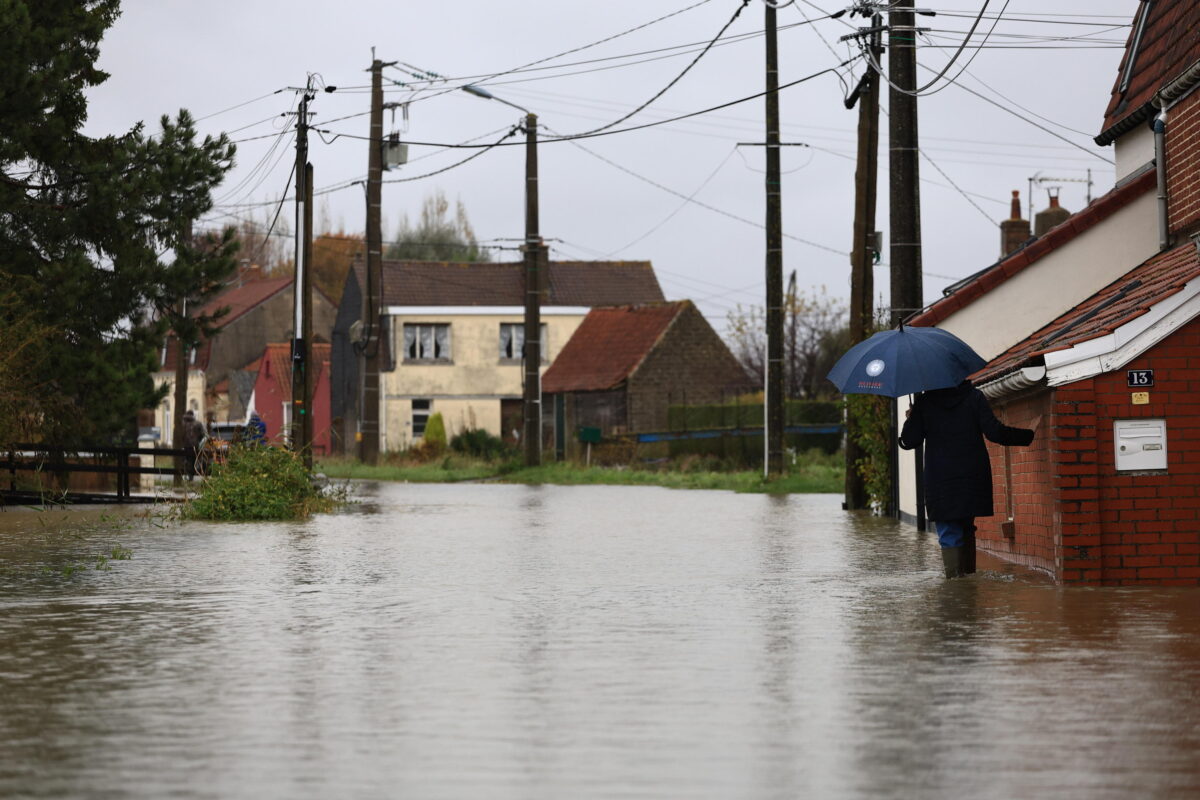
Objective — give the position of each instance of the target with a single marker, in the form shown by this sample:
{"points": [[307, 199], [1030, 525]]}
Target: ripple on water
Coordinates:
{"points": [[509, 641]]}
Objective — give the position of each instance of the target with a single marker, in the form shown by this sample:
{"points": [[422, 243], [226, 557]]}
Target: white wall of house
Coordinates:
{"points": [[1134, 150], [1059, 280], [1042, 292], [163, 415], [466, 388]]}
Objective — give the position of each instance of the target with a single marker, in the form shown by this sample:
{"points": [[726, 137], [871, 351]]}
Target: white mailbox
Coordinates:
{"points": [[1140, 444]]}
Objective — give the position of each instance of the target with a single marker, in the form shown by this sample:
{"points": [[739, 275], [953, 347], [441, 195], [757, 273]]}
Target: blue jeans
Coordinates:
{"points": [[953, 533]]}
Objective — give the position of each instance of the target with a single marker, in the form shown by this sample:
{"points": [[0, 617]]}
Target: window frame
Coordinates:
{"points": [[422, 413], [520, 326], [432, 327]]}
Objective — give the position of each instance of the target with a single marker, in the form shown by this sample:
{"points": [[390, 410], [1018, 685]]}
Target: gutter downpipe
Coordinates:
{"points": [[1160, 164]]}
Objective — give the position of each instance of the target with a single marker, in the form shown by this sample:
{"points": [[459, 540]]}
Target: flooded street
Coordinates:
{"points": [[490, 641]]}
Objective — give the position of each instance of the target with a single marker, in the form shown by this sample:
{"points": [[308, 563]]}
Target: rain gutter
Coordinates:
{"points": [[1016, 382], [1165, 97]]}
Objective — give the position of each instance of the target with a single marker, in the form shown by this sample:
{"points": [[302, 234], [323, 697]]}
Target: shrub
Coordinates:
{"points": [[258, 483], [434, 438], [480, 444]]}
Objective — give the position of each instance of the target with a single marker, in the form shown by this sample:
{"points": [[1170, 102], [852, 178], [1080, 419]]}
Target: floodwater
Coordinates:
{"points": [[491, 641]]}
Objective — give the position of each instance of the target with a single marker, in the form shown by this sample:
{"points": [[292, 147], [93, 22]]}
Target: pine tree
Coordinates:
{"points": [[83, 220]]}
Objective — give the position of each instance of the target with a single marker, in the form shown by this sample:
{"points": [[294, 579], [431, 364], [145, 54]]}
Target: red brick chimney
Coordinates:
{"points": [[1014, 231]]}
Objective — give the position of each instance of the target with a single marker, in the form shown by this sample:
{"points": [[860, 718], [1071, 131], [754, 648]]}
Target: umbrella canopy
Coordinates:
{"points": [[905, 361]]}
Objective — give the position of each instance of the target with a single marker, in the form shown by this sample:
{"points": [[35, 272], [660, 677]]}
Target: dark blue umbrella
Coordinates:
{"points": [[905, 361]]}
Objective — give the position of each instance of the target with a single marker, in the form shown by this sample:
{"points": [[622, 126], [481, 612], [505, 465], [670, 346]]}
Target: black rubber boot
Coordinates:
{"points": [[952, 561], [968, 552]]}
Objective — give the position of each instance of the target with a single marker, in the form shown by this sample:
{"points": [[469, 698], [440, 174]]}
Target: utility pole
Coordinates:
{"points": [[905, 193], [369, 345], [181, 376], [773, 388], [310, 370], [862, 253], [301, 426], [535, 265], [904, 173]]}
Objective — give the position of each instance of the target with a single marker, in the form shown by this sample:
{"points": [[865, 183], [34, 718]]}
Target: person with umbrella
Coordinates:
{"points": [[950, 417], [951, 423]]}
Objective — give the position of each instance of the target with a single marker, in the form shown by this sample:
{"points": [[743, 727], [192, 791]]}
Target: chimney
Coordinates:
{"points": [[1050, 217], [1014, 231]]}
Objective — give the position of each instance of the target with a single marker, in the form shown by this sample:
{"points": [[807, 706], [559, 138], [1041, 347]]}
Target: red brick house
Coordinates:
{"points": [[625, 365], [272, 396], [1107, 494]]}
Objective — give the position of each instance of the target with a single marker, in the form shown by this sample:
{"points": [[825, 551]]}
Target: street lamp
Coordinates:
{"points": [[535, 265]]}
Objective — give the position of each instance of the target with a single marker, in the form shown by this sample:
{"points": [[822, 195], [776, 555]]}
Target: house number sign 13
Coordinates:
{"points": [[1139, 377]]}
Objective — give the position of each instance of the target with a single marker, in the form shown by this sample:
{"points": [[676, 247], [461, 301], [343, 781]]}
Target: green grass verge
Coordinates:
{"points": [[449, 469], [812, 473]]}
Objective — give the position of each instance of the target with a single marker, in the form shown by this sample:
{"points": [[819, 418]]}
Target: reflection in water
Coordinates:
{"points": [[509, 641]]}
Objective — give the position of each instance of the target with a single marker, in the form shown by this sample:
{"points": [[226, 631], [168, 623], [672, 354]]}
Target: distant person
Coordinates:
{"points": [[958, 473], [256, 430], [194, 434]]}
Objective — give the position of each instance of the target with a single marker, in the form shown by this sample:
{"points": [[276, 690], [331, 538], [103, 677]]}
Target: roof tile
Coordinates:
{"points": [[570, 283], [1168, 47], [608, 346]]}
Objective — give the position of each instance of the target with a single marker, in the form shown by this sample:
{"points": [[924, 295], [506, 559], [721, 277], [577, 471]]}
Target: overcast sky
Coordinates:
{"points": [[619, 196]]}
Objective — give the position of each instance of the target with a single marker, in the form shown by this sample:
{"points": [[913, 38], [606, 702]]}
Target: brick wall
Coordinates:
{"points": [[1150, 523], [1024, 487], [1074, 514], [1183, 164], [690, 364]]}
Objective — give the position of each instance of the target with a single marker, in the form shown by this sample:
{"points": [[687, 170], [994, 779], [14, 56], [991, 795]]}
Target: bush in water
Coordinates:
{"points": [[258, 483]]}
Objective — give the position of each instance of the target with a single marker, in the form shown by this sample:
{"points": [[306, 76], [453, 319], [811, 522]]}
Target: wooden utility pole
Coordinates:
{"points": [[535, 265], [904, 173], [862, 253], [773, 388], [369, 345], [301, 427]]}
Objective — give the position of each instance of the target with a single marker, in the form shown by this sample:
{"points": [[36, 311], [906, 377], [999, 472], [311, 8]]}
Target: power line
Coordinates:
{"points": [[1009, 100], [918, 92], [678, 208], [239, 105], [677, 78], [602, 132], [587, 46], [486, 78], [722, 212], [1059, 136], [1057, 21], [471, 157]]}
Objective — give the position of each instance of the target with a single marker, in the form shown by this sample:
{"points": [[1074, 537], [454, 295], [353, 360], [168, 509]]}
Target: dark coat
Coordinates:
{"points": [[958, 472]]}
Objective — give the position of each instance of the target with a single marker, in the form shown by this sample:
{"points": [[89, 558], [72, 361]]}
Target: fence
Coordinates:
{"points": [[54, 460], [728, 430]]}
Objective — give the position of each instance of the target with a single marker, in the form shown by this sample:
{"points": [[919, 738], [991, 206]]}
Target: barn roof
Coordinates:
{"points": [[608, 346]]}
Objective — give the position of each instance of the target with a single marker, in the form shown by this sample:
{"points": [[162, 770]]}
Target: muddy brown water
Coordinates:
{"points": [[489, 641]]}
